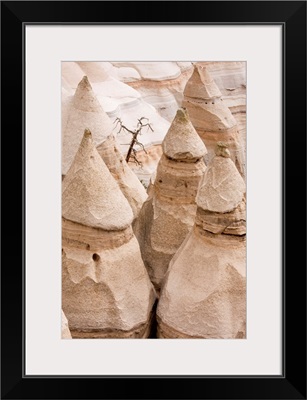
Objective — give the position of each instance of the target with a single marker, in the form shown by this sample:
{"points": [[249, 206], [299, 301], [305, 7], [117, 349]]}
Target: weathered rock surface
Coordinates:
{"points": [[168, 215], [91, 115], [160, 83], [211, 118], [119, 100], [128, 182], [106, 291], [130, 90], [65, 329], [230, 77], [204, 291], [71, 75], [83, 112]]}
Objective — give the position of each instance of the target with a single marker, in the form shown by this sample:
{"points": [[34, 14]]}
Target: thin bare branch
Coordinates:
{"points": [[134, 141]]}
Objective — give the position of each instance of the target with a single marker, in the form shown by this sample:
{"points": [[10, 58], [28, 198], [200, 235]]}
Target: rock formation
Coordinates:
{"points": [[160, 83], [86, 112], [211, 118], [71, 75], [230, 77], [65, 329], [168, 215], [128, 182], [106, 291], [204, 291]]}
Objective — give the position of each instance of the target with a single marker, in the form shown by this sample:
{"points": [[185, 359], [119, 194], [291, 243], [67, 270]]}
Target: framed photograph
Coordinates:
{"points": [[229, 70]]}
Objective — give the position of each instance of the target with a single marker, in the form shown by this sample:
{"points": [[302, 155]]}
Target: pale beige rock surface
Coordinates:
{"points": [[128, 182], [90, 196], [160, 84], [86, 106], [71, 75], [223, 188], [168, 215], [204, 291], [65, 334], [129, 90], [211, 118], [119, 100], [231, 79], [201, 85], [106, 290], [83, 112], [182, 141]]}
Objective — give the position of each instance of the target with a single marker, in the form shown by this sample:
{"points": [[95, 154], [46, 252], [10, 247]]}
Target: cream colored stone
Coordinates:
{"points": [[182, 141], [107, 293], [65, 329], [211, 118], [222, 188], [231, 79], [71, 74], [160, 84], [90, 195], [87, 109], [204, 291], [201, 85], [97, 71], [128, 182], [106, 290], [168, 215], [85, 112]]}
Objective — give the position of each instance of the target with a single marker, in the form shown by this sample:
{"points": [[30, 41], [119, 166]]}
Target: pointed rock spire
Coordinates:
{"points": [[90, 194], [106, 290], [127, 180], [201, 85], [84, 111], [222, 187], [168, 215], [211, 118], [84, 98], [204, 290], [181, 141]]}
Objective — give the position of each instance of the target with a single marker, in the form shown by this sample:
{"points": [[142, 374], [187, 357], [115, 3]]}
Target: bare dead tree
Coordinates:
{"points": [[131, 154]]}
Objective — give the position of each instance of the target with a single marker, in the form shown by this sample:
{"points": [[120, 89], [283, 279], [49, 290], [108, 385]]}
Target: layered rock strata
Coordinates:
{"points": [[204, 292], [106, 291], [168, 215], [160, 83], [86, 112], [210, 116], [230, 77]]}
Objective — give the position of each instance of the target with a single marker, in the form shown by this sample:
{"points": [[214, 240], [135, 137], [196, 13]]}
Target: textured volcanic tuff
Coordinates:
{"points": [[85, 112], [210, 116], [204, 290], [168, 215], [106, 291]]}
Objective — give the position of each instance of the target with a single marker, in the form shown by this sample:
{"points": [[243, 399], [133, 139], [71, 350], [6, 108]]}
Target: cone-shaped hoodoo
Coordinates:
{"points": [[85, 111], [127, 180], [211, 118], [204, 291], [106, 288], [168, 215]]}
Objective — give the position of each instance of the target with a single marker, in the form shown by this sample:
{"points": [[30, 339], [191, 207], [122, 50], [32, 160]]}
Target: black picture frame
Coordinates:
{"points": [[292, 16]]}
